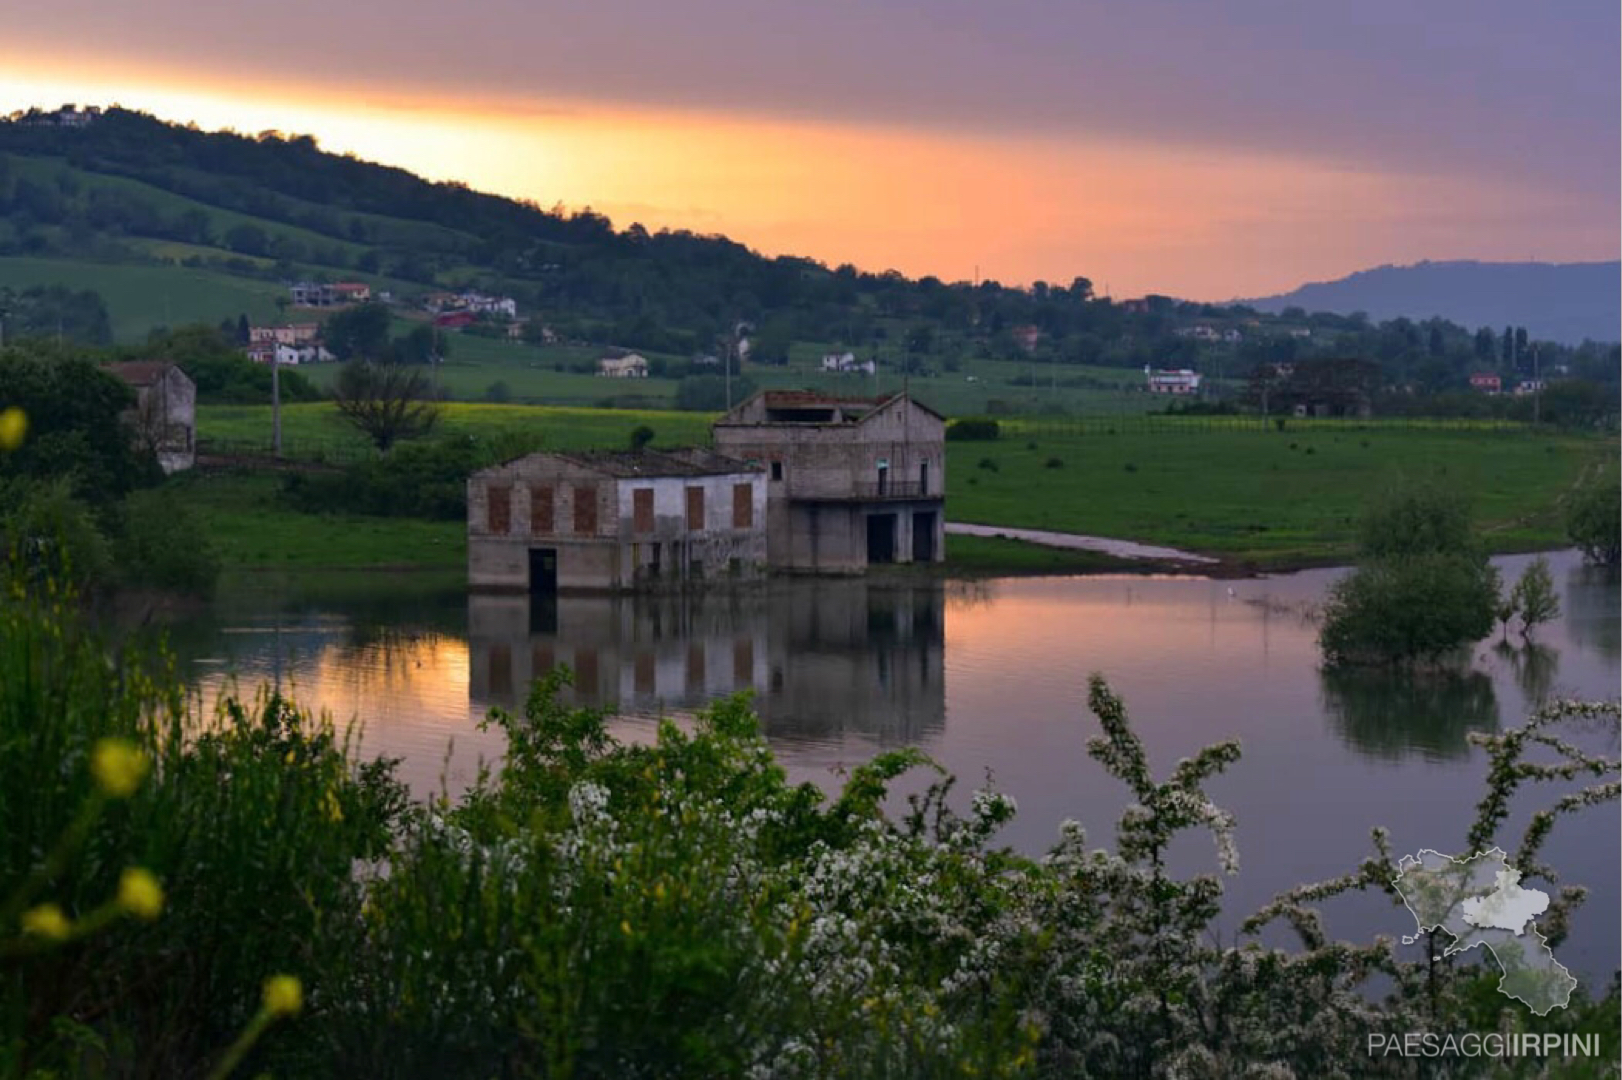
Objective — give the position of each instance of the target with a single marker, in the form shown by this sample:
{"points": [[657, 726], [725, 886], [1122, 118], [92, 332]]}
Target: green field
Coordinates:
{"points": [[1237, 490], [1257, 495], [244, 520]]}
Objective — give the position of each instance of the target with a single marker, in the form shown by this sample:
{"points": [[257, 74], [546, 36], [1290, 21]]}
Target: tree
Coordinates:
{"points": [[387, 402], [421, 345], [1485, 344], [1422, 587], [247, 239], [641, 436], [358, 333], [1534, 595], [1594, 520]]}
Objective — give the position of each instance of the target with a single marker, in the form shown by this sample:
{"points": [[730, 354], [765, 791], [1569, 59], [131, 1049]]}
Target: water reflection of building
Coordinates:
{"points": [[823, 657]]}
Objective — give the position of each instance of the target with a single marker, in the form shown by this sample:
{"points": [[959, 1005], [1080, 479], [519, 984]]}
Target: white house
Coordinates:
{"points": [[847, 364], [1179, 381], [630, 366]]}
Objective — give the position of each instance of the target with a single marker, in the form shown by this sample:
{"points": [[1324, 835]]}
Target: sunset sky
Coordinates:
{"points": [[1194, 148]]}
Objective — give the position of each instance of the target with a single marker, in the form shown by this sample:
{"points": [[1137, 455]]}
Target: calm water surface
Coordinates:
{"points": [[989, 678]]}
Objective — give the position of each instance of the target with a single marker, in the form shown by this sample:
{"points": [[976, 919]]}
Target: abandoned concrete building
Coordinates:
{"points": [[163, 419], [610, 521], [852, 481]]}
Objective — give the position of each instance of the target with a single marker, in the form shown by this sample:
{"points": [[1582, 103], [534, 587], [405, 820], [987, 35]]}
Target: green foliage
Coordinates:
{"points": [[222, 374], [54, 312], [386, 402], [75, 430], [708, 393], [1594, 519], [641, 436], [360, 332], [973, 429], [593, 908], [1416, 519], [1422, 587], [53, 536], [161, 544], [252, 827], [421, 480], [1534, 596]]}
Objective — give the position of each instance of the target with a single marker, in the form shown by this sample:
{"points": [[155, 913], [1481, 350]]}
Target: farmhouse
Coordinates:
{"points": [[1180, 381], [613, 521], [312, 294], [164, 416], [852, 481], [847, 364], [290, 334], [623, 367], [1486, 383]]}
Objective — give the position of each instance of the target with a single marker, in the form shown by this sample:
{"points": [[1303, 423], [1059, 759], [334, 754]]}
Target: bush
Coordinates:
{"points": [[664, 907], [972, 429], [498, 393], [1534, 597], [162, 544], [988, 464], [1594, 520], [424, 480], [641, 436], [1422, 587], [1053, 463]]}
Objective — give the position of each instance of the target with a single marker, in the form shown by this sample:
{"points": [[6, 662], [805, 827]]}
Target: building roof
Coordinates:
{"points": [[632, 464], [139, 372], [792, 399]]}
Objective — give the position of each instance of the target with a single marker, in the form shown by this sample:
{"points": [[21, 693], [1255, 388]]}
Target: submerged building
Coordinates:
{"points": [[610, 521], [851, 481]]}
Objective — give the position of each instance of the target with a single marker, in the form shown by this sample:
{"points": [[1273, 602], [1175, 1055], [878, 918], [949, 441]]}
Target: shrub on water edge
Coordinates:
{"points": [[1594, 519]]}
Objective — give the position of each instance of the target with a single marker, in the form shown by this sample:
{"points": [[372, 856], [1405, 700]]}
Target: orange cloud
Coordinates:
{"points": [[1136, 217]]}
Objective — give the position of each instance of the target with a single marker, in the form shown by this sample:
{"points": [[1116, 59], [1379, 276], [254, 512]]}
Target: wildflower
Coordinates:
{"points": [[330, 804], [13, 426], [140, 894], [625, 927], [284, 995], [119, 766], [48, 921]]}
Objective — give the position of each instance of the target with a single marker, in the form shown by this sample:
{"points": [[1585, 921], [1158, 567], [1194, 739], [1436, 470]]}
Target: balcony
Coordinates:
{"points": [[870, 491]]}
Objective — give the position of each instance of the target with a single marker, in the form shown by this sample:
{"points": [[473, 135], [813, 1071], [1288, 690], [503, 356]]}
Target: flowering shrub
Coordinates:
{"points": [[597, 909]]}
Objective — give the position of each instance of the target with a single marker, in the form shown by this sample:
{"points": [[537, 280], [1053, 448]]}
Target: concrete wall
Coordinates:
{"points": [[616, 555], [817, 516], [165, 420]]}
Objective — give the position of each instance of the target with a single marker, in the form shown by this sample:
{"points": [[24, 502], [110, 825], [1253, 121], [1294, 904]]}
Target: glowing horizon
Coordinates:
{"points": [[1135, 216]]}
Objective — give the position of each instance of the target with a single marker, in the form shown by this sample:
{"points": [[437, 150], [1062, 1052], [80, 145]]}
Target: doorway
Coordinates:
{"points": [[923, 536], [880, 539], [543, 571]]}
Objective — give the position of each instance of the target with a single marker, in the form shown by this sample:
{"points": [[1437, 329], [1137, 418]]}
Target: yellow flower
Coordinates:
{"points": [[335, 812], [119, 766], [284, 995], [140, 894], [625, 927], [48, 921], [13, 426]]}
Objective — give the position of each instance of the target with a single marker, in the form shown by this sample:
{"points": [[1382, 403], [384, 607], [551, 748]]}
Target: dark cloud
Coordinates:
{"points": [[1523, 90]]}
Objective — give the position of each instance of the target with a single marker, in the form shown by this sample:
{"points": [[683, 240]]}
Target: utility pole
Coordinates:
{"points": [[1537, 387], [275, 405]]}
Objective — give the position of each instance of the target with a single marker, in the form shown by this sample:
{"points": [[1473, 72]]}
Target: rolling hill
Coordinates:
{"points": [[1565, 302]]}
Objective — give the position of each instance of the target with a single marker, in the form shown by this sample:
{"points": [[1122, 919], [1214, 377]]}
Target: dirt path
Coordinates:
{"points": [[1121, 549]]}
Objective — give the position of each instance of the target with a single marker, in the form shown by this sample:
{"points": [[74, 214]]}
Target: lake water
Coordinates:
{"points": [[988, 678]]}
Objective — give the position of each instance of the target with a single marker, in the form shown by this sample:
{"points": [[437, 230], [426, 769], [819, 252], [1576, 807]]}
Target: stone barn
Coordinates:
{"points": [[164, 417], [852, 482], [615, 521]]}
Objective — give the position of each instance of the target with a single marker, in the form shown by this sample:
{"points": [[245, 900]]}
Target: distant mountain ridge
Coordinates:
{"points": [[1566, 302]]}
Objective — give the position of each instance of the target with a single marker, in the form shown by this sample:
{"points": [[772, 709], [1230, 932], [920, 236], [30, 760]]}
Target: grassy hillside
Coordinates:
{"points": [[142, 297]]}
